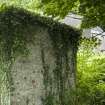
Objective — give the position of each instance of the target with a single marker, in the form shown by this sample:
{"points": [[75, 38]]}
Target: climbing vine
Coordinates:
{"points": [[14, 22], [16, 35]]}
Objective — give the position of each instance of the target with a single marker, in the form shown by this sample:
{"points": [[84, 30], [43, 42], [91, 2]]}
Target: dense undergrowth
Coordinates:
{"points": [[91, 75]]}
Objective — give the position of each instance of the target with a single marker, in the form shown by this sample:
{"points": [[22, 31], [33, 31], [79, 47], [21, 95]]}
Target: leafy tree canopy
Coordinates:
{"points": [[27, 4], [58, 7], [92, 10]]}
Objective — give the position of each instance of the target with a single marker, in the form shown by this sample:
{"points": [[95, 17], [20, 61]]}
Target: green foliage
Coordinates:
{"points": [[14, 23], [12, 39], [91, 71], [27, 4], [91, 10], [49, 100], [58, 8]]}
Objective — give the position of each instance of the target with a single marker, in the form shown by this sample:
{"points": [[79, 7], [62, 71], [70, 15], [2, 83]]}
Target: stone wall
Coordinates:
{"points": [[27, 71], [45, 75], [39, 58]]}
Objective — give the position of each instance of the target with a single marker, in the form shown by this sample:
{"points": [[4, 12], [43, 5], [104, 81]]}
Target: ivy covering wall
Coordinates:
{"points": [[14, 23]]}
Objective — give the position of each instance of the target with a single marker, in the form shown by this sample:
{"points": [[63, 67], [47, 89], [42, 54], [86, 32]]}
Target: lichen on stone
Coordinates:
{"points": [[16, 34]]}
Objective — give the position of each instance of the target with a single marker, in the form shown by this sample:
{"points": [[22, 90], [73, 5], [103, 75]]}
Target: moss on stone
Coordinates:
{"points": [[14, 22]]}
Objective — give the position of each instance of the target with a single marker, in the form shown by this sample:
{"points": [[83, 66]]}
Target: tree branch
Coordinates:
{"points": [[100, 34]]}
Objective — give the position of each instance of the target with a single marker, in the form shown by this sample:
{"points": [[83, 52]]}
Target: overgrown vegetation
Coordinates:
{"points": [[91, 65], [16, 21], [15, 36], [91, 74]]}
